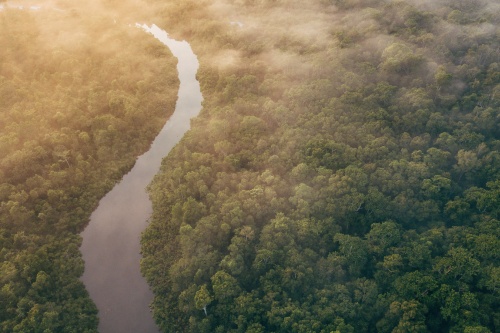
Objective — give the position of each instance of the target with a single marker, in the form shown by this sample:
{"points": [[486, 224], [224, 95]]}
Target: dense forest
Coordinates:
{"points": [[81, 96], [343, 175]]}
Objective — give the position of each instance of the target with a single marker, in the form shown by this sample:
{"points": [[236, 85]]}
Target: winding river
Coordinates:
{"points": [[111, 247]]}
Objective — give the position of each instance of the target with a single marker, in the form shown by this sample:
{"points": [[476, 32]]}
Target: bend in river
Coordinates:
{"points": [[111, 241]]}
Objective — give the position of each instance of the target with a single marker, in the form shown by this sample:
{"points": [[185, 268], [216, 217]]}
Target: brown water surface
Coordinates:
{"points": [[111, 247]]}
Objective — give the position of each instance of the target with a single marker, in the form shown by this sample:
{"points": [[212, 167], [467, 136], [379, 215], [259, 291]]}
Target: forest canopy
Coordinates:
{"points": [[77, 106], [343, 175]]}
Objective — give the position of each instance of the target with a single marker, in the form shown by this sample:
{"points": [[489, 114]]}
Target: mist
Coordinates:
{"points": [[346, 151]]}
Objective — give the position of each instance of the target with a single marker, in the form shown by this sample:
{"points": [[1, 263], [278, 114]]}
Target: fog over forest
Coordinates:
{"points": [[342, 176]]}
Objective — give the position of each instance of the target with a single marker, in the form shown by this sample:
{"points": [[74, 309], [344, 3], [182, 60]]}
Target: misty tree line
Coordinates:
{"points": [[77, 106], [345, 180]]}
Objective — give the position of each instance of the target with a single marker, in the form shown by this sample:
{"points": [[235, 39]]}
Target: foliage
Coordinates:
{"points": [[78, 105], [342, 177]]}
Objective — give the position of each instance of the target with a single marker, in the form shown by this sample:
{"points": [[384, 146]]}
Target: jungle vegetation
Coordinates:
{"points": [[343, 175], [77, 106]]}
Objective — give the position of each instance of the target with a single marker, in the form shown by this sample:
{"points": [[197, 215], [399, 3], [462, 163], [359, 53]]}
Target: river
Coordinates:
{"points": [[111, 241]]}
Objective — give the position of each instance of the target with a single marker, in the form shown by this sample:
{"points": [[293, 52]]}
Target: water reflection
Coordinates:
{"points": [[111, 247]]}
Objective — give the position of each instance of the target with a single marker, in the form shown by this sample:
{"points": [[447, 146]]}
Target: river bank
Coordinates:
{"points": [[110, 247]]}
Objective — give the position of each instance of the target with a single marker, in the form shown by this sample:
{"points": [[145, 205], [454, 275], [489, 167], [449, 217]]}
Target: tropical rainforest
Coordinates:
{"points": [[77, 106], [343, 175]]}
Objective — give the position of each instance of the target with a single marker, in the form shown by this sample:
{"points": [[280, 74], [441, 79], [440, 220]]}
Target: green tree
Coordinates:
{"points": [[203, 298]]}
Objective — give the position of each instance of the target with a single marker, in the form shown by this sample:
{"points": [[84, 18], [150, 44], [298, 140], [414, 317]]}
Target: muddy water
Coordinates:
{"points": [[111, 247]]}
